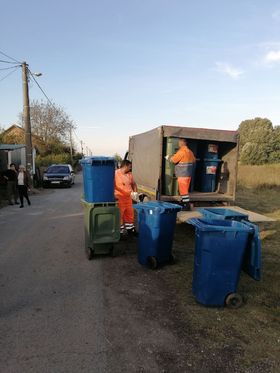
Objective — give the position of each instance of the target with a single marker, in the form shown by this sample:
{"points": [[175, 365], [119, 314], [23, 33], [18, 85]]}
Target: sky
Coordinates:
{"points": [[121, 67]]}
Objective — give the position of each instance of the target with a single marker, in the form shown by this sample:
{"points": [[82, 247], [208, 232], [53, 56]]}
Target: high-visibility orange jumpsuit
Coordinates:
{"points": [[123, 187], [184, 160]]}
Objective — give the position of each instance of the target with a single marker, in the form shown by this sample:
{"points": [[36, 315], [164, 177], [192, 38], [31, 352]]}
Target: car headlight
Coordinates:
{"points": [[66, 178], [45, 178]]}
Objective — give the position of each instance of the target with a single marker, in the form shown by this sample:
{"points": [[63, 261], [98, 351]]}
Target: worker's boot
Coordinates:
{"points": [[124, 233], [186, 206], [132, 232]]}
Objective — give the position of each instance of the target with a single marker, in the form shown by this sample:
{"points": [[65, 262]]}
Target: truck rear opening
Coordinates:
{"points": [[215, 173]]}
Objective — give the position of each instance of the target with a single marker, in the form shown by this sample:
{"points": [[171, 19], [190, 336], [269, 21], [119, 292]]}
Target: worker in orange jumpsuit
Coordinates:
{"points": [[125, 191], [184, 160]]}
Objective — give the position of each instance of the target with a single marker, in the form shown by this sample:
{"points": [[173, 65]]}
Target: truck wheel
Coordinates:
{"points": [[152, 262], [233, 301], [89, 253]]}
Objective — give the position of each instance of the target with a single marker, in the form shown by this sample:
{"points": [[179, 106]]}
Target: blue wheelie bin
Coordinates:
{"points": [[211, 150], [98, 176], [219, 250], [156, 226], [209, 173], [253, 256]]}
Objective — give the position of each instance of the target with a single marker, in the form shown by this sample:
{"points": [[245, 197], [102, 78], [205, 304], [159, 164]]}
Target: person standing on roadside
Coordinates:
{"points": [[11, 176], [23, 186]]}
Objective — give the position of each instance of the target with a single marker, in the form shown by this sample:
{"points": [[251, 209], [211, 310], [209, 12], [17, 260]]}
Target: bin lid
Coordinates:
{"points": [[158, 206], [90, 205], [97, 159], [219, 225], [212, 160], [221, 212], [253, 254]]}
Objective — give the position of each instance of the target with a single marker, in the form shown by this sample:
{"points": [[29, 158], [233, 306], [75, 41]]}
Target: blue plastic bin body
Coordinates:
{"points": [[253, 256], [211, 150], [98, 176], [219, 213], [219, 251], [208, 182], [156, 226]]}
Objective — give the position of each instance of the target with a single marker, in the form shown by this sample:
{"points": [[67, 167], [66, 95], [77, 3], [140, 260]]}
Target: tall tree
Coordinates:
{"points": [[256, 140], [117, 157], [1, 134], [50, 122], [275, 153]]}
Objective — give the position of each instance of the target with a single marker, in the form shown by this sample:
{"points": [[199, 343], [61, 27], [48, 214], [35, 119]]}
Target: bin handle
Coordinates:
{"points": [[100, 162]]}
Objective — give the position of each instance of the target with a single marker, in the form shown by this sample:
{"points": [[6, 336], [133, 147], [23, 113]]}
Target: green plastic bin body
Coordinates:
{"points": [[170, 184], [102, 226], [170, 180]]}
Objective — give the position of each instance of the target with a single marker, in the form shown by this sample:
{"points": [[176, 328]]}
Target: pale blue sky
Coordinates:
{"points": [[120, 67]]}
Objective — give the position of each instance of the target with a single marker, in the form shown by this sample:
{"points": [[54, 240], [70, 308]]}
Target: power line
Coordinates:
{"points": [[4, 61], [8, 68], [11, 58], [49, 101], [10, 73], [81, 142], [77, 138], [41, 89]]}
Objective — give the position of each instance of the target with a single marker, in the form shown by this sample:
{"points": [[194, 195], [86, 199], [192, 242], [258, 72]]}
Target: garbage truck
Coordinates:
{"points": [[214, 177]]}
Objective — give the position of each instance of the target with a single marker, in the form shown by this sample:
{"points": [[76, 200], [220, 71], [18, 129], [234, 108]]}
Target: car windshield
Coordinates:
{"points": [[58, 170]]}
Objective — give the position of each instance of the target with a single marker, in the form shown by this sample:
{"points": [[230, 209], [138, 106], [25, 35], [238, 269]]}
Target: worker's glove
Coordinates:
{"points": [[135, 196], [168, 157]]}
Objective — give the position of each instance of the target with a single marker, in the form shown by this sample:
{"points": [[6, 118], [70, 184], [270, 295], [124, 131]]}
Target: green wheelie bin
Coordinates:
{"points": [[102, 227]]}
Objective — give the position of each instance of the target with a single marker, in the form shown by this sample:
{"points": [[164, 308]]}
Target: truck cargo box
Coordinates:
{"points": [[215, 174]]}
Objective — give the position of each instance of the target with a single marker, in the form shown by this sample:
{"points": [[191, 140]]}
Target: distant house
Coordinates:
{"points": [[10, 153], [16, 135]]}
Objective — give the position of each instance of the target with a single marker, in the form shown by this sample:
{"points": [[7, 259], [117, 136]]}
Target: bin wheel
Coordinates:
{"points": [[113, 252], [152, 262], [89, 253], [233, 300], [171, 259]]}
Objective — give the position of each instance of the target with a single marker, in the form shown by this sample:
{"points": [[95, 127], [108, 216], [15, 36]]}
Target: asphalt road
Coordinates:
{"points": [[51, 303]]}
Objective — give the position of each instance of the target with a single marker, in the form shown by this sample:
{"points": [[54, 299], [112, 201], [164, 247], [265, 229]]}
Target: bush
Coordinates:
{"points": [[259, 142], [47, 160]]}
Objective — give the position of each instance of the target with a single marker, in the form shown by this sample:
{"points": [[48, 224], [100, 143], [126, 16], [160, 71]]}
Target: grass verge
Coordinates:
{"points": [[249, 336]]}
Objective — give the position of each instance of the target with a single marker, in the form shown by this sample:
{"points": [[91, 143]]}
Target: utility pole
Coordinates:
{"points": [[26, 119], [71, 146], [82, 149]]}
